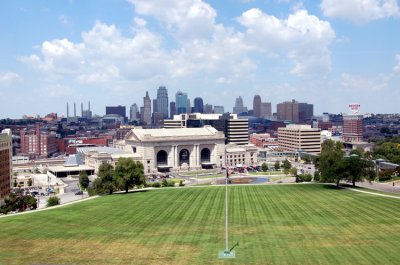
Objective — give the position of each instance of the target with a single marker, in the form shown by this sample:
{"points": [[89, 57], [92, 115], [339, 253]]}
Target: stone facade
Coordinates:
{"points": [[164, 150]]}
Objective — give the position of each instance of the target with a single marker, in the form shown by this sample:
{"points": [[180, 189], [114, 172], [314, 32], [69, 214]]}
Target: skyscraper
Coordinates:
{"points": [[306, 111], [147, 109], [288, 110], [239, 108], [257, 106], [172, 109], [155, 106], [162, 101], [181, 102], [198, 105], [266, 110], [208, 109], [133, 112], [218, 109]]}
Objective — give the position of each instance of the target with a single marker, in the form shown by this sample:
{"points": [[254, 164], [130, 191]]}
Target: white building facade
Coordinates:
{"points": [[165, 150]]}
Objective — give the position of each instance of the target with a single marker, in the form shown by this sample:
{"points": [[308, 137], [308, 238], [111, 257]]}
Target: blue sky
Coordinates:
{"points": [[328, 52]]}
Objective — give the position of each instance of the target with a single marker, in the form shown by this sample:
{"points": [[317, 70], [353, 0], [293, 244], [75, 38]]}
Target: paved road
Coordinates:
{"points": [[387, 187], [68, 195]]}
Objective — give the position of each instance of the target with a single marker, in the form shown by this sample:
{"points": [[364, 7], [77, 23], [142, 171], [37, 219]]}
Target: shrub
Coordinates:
{"points": [[156, 184], [264, 167], [164, 183], [181, 184], [53, 201], [305, 177], [317, 176]]}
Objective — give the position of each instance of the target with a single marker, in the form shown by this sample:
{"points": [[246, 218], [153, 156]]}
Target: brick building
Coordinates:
{"points": [[5, 164]]}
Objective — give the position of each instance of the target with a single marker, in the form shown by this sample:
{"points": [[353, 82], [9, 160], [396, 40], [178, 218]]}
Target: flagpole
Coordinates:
{"points": [[226, 206]]}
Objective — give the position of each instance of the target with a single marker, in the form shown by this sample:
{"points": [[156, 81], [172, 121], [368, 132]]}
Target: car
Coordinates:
{"points": [[78, 192]]}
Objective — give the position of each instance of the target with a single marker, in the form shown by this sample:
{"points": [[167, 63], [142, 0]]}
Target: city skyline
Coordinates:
{"points": [[328, 53]]}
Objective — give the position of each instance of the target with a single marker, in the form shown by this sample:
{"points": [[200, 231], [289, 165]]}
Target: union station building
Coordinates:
{"points": [[166, 150]]}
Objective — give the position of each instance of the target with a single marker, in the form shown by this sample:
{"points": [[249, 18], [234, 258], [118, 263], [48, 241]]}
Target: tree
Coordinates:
{"points": [[83, 179], [277, 165], [264, 167], [359, 151], [307, 159], [128, 173], [331, 163], [30, 182], [359, 169], [53, 201], [286, 166], [17, 201], [104, 183]]}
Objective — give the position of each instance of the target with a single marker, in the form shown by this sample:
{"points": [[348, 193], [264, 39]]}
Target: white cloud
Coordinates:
{"points": [[9, 78], [397, 67], [205, 52], [103, 55], [188, 20], [304, 38], [140, 22], [55, 90], [364, 83], [360, 11]]}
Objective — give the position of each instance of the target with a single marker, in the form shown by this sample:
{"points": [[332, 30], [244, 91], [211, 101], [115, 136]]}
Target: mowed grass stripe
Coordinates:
{"points": [[287, 224]]}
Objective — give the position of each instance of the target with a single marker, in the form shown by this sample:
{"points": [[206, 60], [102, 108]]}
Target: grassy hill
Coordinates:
{"points": [[287, 224]]}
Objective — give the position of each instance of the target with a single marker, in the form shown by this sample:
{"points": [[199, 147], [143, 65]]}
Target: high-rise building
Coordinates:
{"points": [[162, 101], [172, 109], [306, 111], [234, 128], [181, 102], [218, 109], [208, 109], [188, 107], [198, 105], [133, 112], [257, 106], [119, 110], [147, 109], [266, 110], [155, 106], [352, 128], [239, 107], [295, 137], [288, 110], [5, 164]]}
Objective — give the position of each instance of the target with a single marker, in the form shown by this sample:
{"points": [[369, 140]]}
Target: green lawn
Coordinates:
{"points": [[274, 224]]}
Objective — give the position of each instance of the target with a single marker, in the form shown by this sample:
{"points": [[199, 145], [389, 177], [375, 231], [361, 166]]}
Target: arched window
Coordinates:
{"points": [[205, 155], [184, 156], [162, 158]]}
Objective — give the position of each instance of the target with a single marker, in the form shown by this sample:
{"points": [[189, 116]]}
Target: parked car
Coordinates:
{"points": [[78, 192]]}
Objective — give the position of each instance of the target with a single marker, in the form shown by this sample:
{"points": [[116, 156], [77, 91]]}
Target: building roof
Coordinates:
{"points": [[101, 149], [69, 169], [73, 160], [206, 131], [115, 153]]}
